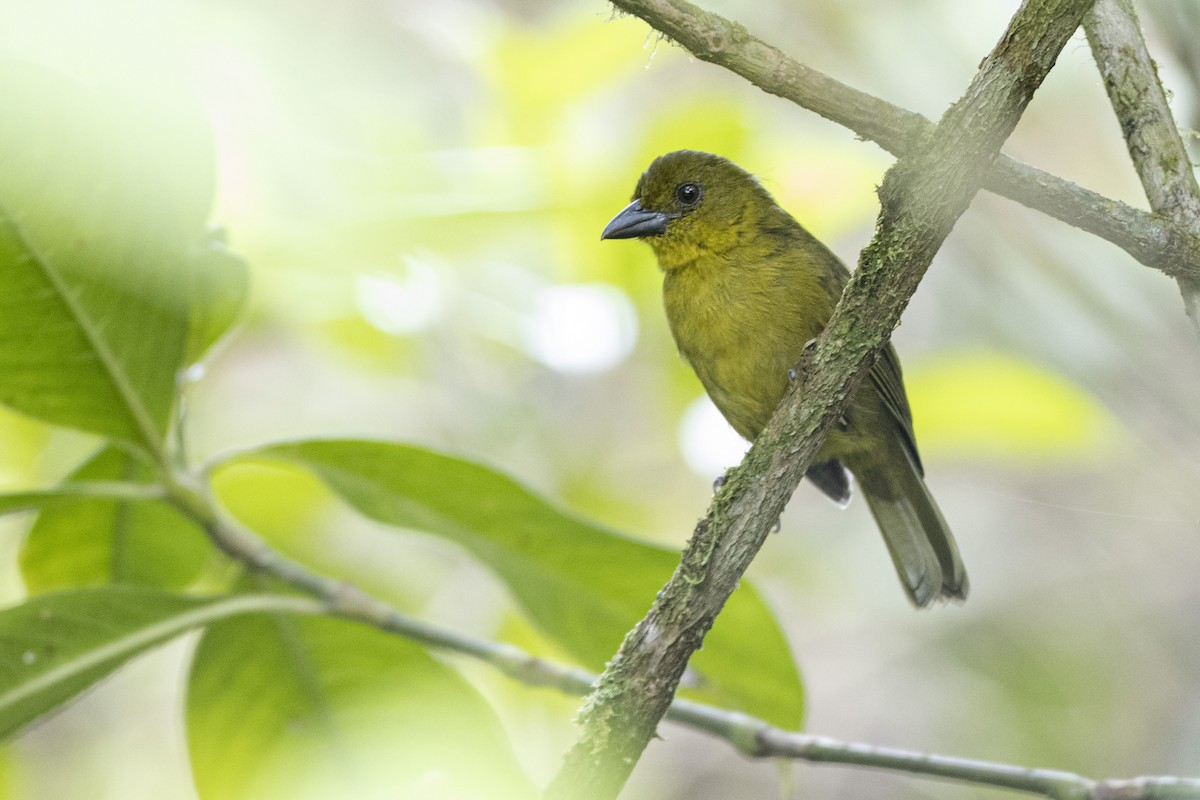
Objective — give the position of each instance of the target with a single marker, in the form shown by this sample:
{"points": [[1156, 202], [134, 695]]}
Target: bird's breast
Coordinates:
{"points": [[739, 337]]}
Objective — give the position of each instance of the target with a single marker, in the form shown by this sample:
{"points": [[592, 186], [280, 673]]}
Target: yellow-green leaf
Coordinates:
{"points": [[290, 707], [986, 404]]}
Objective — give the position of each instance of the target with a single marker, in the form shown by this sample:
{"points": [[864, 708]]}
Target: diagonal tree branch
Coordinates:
{"points": [[921, 198], [1141, 106], [1153, 240]]}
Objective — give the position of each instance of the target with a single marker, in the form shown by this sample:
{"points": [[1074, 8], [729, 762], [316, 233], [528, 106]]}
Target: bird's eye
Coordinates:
{"points": [[688, 194]]}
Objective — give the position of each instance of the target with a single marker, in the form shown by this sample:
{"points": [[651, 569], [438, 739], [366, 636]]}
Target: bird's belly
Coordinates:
{"points": [[745, 389], [740, 341]]}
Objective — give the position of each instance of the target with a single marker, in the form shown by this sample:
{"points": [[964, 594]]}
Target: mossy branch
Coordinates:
{"points": [[922, 196], [1153, 141]]}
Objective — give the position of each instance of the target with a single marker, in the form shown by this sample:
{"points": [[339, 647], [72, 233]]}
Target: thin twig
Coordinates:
{"points": [[1049, 783], [76, 492]]}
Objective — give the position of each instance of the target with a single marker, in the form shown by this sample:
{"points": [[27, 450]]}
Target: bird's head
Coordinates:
{"points": [[689, 203]]}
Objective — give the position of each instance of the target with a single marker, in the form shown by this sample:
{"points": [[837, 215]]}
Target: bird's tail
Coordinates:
{"points": [[917, 536]]}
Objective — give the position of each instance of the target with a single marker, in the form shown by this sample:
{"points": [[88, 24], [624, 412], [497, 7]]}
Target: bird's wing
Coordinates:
{"points": [[885, 376]]}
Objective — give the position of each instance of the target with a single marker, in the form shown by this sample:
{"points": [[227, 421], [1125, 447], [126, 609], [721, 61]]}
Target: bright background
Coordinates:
{"points": [[419, 190]]}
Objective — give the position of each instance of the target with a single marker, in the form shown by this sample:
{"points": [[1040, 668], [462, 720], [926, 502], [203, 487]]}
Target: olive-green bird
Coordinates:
{"points": [[745, 288]]}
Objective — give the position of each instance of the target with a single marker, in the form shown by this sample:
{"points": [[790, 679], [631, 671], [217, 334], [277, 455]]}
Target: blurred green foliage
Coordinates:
{"points": [[410, 184], [126, 290], [327, 708]]}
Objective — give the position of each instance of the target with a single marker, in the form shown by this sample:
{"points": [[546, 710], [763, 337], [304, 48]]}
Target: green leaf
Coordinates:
{"points": [[583, 586], [284, 707], [104, 540], [103, 198], [56, 645], [220, 283]]}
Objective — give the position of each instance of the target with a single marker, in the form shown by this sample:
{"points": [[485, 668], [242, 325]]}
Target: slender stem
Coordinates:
{"points": [[11, 502], [194, 499], [1050, 783], [755, 738]]}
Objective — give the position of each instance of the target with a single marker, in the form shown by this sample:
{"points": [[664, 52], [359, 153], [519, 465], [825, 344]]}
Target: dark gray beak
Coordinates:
{"points": [[634, 222]]}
